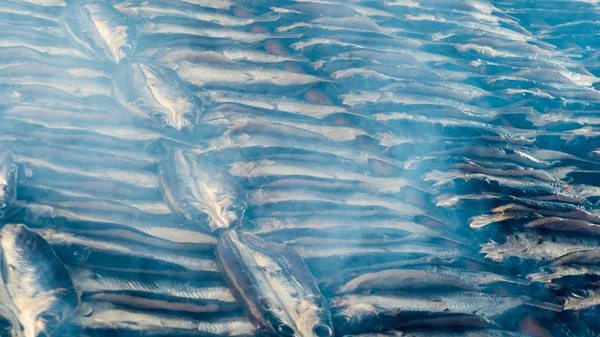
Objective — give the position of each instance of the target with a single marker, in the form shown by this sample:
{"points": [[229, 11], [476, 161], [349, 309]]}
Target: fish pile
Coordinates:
{"points": [[299, 168]]}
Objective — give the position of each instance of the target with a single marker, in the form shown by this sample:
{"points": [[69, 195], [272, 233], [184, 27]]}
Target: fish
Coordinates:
{"points": [[150, 28], [39, 41], [313, 223], [201, 192], [105, 219], [40, 74], [327, 171], [233, 116], [105, 316], [364, 313], [580, 299], [429, 277], [565, 225], [565, 274], [157, 95], [539, 247], [238, 75], [142, 9], [89, 250], [8, 181], [153, 291], [275, 287], [101, 31], [37, 281]]}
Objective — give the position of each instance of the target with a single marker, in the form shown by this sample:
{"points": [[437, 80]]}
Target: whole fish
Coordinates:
{"points": [[153, 291], [100, 30], [540, 247], [142, 9], [106, 316], [94, 251], [157, 95], [234, 75], [36, 280], [363, 313], [201, 192], [274, 286], [566, 274], [431, 277], [8, 181]]}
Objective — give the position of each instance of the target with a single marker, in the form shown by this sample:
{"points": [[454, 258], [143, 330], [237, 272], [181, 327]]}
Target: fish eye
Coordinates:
{"points": [[158, 116], [126, 48], [48, 318], [342, 320], [322, 330], [236, 209], [190, 117], [579, 293], [286, 330], [562, 300], [514, 260]]}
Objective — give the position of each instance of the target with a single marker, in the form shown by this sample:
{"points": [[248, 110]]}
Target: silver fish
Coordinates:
{"points": [[539, 247], [156, 94], [357, 313], [143, 9], [36, 280], [553, 274], [80, 248], [153, 291], [150, 28], [199, 191], [274, 285], [102, 316], [100, 30], [430, 333]]}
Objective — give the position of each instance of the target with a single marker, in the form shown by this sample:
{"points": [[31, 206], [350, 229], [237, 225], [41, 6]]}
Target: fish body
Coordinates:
{"points": [[100, 30], [157, 95], [274, 285], [197, 189], [37, 281]]}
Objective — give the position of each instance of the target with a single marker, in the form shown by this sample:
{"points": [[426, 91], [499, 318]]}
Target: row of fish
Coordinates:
{"points": [[300, 168]]}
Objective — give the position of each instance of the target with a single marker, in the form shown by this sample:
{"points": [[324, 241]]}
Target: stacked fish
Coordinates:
{"points": [[299, 168]]}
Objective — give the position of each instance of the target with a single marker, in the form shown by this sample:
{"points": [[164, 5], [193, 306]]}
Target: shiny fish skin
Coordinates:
{"points": [[8, 181], [157, 95], [38, 283], [80, 249], [100, 30], [154, 291], [194, 188], [433, 277], [355, 310], [275, 287], [107, 316], [428, 333]]}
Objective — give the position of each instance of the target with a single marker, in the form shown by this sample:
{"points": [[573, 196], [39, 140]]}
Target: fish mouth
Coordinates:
{"points": [[322, 330]]}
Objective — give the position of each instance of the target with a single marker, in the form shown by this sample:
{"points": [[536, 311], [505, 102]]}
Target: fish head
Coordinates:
{"points": [[182, 120], [513, 248], [355, 316], [313, 321], [47, 313]]}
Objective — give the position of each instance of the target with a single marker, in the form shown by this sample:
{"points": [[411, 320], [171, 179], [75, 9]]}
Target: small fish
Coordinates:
{"points": [[432, 277], [104, 316], [201, 192], [540, 247], [100, 30], [430, 333], [37, 281], [153, 291], [274, 285], [363, 313], [157, 95]]}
